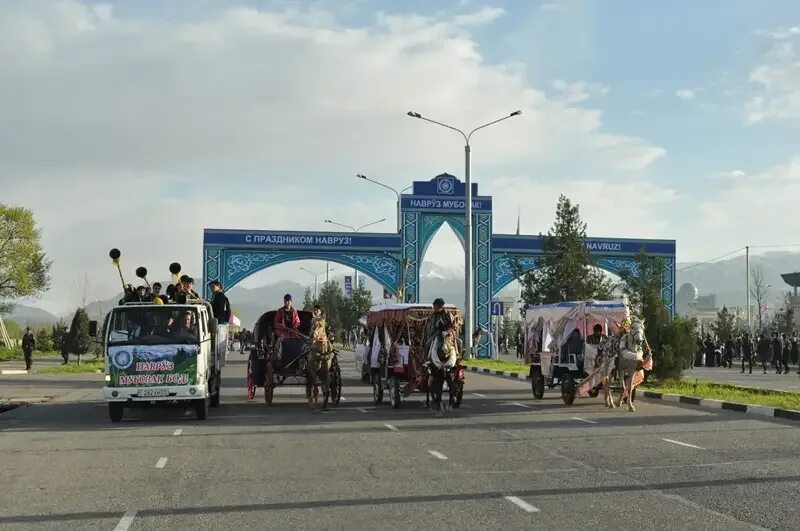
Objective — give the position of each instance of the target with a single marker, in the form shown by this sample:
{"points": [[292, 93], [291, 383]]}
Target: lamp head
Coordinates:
{"points": [[361, 176], [414, 114], [516, 113]]}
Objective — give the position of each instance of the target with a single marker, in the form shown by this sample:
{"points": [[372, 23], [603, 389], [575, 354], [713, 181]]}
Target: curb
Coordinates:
{"points": [[751, 409], [502, 374]]}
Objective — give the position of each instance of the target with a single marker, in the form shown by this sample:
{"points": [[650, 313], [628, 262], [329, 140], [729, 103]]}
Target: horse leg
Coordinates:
{"points": [[621, 376], [326, 386], [630, 392]]}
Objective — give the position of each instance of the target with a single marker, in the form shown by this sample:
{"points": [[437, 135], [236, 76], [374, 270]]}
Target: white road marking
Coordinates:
{"points": [[126, 521], [585, 420], [361, 409], [393, 428], [466, 406], [518, 404], [161, 463], [438, 455], [683, 444], [177, 432], [342, 398], [15, 371], [522, 504], [479, 395]]}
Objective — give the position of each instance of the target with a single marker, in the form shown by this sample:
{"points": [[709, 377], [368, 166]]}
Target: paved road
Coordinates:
{"points": [[779, 382], [501, 462]]}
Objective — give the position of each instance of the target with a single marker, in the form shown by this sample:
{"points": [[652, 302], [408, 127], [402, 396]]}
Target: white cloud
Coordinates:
{"points": [[579, 91], [777, 83], [138, 133], [484, 15], [685, 94]]}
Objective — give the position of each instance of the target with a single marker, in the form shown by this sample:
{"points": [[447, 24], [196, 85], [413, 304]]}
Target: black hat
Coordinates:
{"points": [[438, 302], [287, 297]]}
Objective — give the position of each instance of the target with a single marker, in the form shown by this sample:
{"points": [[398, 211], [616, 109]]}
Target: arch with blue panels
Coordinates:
{"points": [[230, 256]]}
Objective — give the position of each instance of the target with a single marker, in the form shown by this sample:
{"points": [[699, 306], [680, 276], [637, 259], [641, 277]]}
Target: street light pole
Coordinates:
{"points": [[468, 273], [354, 229], [316, 276], [398, 194]]}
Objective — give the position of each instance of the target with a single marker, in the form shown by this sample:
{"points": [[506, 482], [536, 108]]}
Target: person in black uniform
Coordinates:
{"points": [[786, 354], [219, 303], [747, 352], [777, 352], [764, 351], [28, 344]]}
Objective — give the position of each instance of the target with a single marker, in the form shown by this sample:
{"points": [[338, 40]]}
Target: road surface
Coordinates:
{"points": [[503, 461]]}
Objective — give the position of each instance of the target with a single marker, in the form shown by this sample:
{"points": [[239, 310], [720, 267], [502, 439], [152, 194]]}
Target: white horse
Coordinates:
{"points": [[439, 370], [631, 356]]}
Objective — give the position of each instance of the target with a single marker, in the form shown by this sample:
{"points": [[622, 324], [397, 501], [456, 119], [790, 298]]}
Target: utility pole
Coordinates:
{"points": [[747, 266]]}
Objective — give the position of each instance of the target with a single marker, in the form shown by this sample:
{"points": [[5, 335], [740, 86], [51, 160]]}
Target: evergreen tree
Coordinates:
{"points": [[78, 340], [356, 307], [58, 335], [308, 300], [331, 299], [44, 342], [564, 271], [725, 325]]}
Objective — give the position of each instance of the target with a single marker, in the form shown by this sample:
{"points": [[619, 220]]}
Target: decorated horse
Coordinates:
{"points": [[442, 359]]}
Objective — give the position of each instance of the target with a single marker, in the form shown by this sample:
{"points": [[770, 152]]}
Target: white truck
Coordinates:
{"points": [[161, 355]]}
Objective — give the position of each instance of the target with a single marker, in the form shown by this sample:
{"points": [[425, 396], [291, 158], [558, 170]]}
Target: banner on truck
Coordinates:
{"points": [[152, 365]]}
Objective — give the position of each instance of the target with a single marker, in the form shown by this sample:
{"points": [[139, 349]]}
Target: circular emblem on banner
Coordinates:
{"points": [[122, 359], [445, 185]]}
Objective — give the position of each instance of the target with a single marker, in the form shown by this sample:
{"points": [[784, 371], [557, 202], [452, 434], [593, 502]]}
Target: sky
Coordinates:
{"points": [[137, 124]]}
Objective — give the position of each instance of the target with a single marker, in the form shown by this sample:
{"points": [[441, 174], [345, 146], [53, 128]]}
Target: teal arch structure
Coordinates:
{"points": [[391, 259]]}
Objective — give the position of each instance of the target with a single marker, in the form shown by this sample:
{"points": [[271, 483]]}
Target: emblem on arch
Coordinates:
{"points": [[445, 184]]}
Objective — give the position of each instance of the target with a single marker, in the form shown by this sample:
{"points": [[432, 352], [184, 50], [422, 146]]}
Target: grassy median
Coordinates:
{"points": [[73, 367], [728, 393], [15, 353], [498, 365]]}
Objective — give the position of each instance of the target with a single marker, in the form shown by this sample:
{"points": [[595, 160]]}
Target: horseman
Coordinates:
{"points": [[436, 327], [287, 320]]}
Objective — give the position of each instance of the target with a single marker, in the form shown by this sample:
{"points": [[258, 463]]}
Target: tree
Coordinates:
{"points": [[759, 289], [331, 299], [24, 267], [44, 342], [725, 325], [58, 335], [78, 339], [355, 307], [308, 300], [672, 339], [564, 271]]}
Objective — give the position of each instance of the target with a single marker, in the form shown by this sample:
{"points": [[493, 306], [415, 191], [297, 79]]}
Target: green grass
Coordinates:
{"points": [[8, 354], [498, 365], [728, 393], [73, 368]]}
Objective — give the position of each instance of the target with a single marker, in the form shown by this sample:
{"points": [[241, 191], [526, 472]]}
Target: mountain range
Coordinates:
{"points": [[726, 279]]}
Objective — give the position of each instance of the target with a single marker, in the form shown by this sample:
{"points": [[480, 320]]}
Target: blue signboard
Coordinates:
{"points": [[512, 243], [498, 308], [445, 204], [301, 240], [443, 185], [348, 287]]}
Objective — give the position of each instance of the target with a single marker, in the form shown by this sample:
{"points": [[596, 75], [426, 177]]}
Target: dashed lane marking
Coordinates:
{"points": [[177, 432], [479, 395], [126, 521], [438, 455], [361, 409], [15, 371], [392, 428], [519, 404], [683, 444], [161, 463], [522, 504], [585, 420], [466, 406]]}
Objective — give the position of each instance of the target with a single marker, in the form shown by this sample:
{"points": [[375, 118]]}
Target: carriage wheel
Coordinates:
{"points": [[269, 385], [568, 389], [594, 393], [394, 392], [336, 385], [537, 384], [377, 388]]}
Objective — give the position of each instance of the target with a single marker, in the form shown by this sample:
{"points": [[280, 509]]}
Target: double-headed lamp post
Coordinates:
{"points": [[316, 277], [398, 194], [468, 278], [356, 229]]}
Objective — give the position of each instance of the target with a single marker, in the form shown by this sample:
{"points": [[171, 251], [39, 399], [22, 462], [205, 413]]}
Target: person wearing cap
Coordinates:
{"points": [[28, 344], [287, 320], [436, 325], [219, 302]]}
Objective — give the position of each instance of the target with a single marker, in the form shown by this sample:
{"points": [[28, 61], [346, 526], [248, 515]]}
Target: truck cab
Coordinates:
{"points": [[162, 355]]}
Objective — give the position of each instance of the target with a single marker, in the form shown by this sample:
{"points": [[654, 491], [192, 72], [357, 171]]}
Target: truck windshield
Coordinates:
{"points": [[153, 325]]}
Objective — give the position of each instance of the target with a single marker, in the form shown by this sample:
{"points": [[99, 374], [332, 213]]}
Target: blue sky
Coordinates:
{"points": [[662, 119]]}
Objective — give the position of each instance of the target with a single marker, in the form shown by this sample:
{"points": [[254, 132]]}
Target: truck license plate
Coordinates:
{"points": [[153, 392]]}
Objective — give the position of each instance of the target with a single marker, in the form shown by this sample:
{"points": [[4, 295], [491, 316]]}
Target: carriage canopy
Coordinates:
{"points": [[548, 326], [264, 325]]}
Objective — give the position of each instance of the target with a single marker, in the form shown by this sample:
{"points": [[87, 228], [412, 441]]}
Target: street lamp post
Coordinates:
{"points": [[398, 194], [356, 229], [468, 280], [316, 277]]}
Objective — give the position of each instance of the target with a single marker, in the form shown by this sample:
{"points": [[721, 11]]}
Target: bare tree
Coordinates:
{"points": [[759, 290]]}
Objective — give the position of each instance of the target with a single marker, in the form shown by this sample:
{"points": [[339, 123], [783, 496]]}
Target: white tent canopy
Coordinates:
{"points": [[556, 321]]}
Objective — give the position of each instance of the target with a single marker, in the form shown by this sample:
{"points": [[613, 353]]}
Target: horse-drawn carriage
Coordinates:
{"points": [[277, 360], [395, 360], [563, 350]]}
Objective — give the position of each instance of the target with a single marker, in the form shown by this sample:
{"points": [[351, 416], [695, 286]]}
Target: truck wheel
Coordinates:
{"points": [[202, 408], [537, 383], [115, 410], [215, 397]]}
